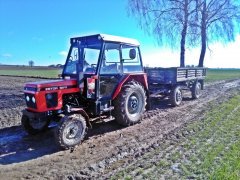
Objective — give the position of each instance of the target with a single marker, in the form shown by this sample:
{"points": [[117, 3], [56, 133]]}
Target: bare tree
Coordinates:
{"points": [[31, 63], [168, 20], [218, 21]]}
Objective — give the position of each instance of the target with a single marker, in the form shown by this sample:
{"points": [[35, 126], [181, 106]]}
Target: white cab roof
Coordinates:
{"points": [[112, 38]]}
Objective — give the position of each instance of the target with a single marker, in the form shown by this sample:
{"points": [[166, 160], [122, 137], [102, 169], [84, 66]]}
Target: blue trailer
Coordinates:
{"points": [[169, 82]]}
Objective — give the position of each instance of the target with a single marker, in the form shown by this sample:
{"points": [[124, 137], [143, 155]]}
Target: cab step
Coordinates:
{"points": [[108, 109]]}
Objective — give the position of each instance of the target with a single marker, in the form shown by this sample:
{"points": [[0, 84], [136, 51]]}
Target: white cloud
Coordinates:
{"points": [[160, 58], [227, 56], [63, 53], [7, 55], [221, 56]]}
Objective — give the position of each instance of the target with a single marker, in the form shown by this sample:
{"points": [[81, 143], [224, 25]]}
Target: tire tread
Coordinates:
{"points": [[60, 129], [119, 112]]}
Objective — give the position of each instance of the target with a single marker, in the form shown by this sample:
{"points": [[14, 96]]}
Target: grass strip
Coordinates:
{"points": [[210, 146]]}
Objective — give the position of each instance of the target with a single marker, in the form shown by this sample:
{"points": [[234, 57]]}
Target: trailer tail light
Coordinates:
{"points": [[90, 87]]}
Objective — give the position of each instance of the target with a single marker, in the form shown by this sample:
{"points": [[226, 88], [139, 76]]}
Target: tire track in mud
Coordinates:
{"points": [[109, 148]]}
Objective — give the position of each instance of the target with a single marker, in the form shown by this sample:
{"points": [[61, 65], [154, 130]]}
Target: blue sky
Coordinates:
{"points": [[40, 31]]}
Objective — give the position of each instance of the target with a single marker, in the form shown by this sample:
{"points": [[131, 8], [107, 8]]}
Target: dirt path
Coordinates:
{"points": [[108, 147]]}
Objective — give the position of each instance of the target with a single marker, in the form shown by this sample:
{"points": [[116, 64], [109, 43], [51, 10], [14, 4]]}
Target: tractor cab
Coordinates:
{"points": [[100, 63]]}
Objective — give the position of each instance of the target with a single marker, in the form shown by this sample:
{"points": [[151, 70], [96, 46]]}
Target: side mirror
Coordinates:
{"points": [[132, 53]]}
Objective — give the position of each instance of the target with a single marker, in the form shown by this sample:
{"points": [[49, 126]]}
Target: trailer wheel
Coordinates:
{"points": [[70, 131], [130, 104], [176, 96], [196, 90], [34, 126]]}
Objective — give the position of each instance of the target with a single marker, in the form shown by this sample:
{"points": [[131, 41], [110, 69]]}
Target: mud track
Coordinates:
{"points": [[107, 149]]}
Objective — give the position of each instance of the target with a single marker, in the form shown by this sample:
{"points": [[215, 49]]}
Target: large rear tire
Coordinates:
{"points": [[130, 104], [196, 90], [71, 131], [176, 96], [34, 126]]}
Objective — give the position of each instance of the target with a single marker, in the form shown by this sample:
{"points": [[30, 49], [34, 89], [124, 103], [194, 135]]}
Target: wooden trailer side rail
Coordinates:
{"points": [[174, 75], [184, 74]]}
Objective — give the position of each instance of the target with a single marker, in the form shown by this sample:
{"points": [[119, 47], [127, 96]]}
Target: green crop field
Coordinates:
{"points": [[37, 71], [217, 147], [211, 151], [212, 74], [222, 74]]}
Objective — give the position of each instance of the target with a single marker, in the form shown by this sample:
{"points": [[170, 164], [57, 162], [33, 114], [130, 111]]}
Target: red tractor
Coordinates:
{"points": [[103, 78]]}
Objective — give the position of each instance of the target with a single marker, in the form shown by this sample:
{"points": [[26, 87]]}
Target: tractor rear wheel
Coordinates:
{"points": [[71, 131], [34, 126], [176, 96], [196, 90], [130, 104]]}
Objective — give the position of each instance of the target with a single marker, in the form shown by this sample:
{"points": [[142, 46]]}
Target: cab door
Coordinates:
{"points": [[110, 70]]}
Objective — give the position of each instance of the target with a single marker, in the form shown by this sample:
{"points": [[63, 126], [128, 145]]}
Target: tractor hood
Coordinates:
{"points": [[51, 85]]}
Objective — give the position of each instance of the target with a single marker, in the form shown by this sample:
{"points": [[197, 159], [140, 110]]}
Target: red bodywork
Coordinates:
{"points": [[141, 78], [40, 89], [61, 87]]}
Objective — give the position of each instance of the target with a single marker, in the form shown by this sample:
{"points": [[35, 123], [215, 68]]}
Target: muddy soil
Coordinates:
{"points": [[108, 147]]}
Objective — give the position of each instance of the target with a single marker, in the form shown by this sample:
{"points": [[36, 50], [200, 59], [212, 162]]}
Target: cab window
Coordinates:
{"points": [[131, 59], [111, 63], [70, 67]]}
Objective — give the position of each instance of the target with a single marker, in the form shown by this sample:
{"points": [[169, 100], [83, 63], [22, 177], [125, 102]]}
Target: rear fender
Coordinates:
{"points": [[141, 78]]}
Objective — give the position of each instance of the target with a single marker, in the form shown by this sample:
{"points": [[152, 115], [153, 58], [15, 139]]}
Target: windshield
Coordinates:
{"points": [[88, 54]]}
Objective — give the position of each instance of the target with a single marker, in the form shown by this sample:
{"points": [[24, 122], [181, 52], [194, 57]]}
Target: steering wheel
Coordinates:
{"points": [[94, 65], [111, 68]]}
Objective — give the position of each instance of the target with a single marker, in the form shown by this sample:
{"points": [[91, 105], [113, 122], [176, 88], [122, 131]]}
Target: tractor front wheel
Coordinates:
{"points": [[130, 104], [71, 131], [34, 125]]}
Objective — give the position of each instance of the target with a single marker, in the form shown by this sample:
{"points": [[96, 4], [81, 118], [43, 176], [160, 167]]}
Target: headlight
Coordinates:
{"points": [[30, 100], [27, 98], [33, 100]]}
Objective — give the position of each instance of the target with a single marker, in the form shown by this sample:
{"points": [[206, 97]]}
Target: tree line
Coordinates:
{"points": [[188, 22]]}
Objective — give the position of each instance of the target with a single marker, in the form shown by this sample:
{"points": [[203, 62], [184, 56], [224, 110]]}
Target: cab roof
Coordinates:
{"points": [[108, 38]]}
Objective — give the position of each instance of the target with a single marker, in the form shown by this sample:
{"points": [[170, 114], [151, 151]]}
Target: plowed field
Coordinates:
{"points": [[108, 148]]}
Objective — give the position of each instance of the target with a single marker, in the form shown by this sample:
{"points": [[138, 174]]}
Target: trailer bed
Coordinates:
{"points": [[174, 75]]}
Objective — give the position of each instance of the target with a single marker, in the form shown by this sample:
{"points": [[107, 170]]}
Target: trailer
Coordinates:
{"points": [[103, 78], [169, 82]]}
